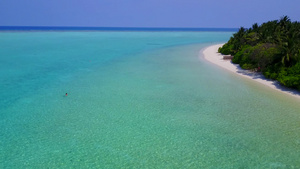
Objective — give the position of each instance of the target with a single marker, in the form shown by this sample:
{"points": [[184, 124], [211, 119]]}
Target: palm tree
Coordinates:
{"points": [[255, 27], [238, 39], [288, 35]]}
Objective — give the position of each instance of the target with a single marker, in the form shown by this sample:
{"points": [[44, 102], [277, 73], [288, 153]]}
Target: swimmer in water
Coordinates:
{"points": [[66, 94]]}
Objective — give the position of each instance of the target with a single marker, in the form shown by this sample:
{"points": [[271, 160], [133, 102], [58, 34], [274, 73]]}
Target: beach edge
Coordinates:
{"points": [[211, 55]]}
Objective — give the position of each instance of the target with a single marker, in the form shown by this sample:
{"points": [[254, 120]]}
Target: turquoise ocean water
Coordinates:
{"points": [[136, 100]]}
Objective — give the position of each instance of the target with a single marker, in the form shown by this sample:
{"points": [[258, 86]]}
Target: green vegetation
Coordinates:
{"points": [[272, 48]]}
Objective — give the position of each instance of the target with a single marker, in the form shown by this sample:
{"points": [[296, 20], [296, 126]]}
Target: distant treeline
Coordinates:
{"points": [[272, 48]]}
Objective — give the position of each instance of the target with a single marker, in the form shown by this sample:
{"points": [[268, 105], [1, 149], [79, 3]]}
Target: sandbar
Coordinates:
{"points": [[211, 54]]}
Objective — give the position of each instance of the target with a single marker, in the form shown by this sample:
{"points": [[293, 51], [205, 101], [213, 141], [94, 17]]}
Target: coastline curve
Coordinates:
{"points": [[211, 54]]}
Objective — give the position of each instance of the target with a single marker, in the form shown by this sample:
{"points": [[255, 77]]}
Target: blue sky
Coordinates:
{"points": [[145, 13]]}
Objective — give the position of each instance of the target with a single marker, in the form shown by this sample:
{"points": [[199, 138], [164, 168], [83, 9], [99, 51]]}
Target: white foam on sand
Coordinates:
{"points": [[211, 54]]}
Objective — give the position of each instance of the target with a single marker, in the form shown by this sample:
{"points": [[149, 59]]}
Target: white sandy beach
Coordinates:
{"points": [[211, 54]]}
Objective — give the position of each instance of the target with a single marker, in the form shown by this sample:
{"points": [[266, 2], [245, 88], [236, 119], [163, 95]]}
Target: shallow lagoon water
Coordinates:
{"points": [[136, 100]]}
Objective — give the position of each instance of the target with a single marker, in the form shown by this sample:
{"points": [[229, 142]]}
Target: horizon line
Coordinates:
{"points": [[94, 28]]}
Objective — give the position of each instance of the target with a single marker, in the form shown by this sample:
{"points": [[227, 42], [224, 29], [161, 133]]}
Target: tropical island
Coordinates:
{"points": [[272, 48]]}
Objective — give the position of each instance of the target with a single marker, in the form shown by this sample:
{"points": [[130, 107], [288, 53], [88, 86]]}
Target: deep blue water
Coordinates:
{"points": [[46, 28]]}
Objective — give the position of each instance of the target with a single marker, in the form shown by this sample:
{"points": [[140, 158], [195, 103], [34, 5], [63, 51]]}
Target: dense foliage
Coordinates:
{"points": [[272, 48]]}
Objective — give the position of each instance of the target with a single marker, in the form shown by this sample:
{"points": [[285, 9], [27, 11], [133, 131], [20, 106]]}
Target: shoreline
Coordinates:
{"points": [[211, 54]]}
